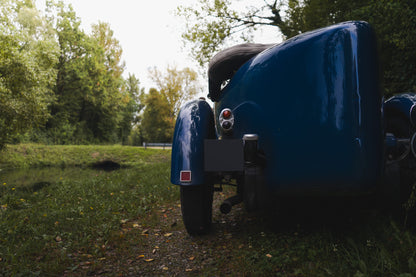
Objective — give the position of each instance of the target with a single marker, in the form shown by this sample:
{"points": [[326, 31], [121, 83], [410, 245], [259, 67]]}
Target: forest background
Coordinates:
{"points": [[60, 85]]}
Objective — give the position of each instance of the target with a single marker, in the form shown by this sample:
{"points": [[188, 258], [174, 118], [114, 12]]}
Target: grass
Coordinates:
{"points": [[128, 222], [46, 227], [38, 155], [319, 252]]}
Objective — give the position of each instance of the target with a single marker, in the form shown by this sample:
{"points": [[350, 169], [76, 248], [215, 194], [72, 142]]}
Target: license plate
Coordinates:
{"points": [[223, 155]]}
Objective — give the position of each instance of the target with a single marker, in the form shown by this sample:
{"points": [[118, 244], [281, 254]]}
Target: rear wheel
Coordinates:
{"points": [[196, 206], [400, 165]]}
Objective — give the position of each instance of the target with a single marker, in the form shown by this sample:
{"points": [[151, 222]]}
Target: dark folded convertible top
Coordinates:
{"points": [[226, 62]]}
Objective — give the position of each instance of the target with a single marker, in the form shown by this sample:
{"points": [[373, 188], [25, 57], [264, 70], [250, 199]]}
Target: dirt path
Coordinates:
{"points": [[238, 244], [166, 248]]}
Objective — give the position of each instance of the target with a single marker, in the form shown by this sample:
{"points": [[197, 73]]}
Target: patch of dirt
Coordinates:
{"points": [[158, 244], [166, 249], [107, 165]]}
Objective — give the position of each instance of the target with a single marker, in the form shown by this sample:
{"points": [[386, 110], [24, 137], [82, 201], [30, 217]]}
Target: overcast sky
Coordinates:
{"points": [[148, 31]]}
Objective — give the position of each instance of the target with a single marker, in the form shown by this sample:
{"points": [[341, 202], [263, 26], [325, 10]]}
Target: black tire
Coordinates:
{"points": [[196, 206], [404, 174], [400, 128]]}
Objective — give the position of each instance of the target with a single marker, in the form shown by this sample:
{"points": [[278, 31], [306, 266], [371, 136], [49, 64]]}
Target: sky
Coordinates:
{"points": [[148, 31]]}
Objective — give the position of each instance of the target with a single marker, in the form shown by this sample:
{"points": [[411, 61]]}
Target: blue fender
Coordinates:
{"points": [[315, 102], [194, 124], [403, 105]]}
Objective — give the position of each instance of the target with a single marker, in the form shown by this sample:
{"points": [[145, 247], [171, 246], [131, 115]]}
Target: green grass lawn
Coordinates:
{"points": [[127, 221], [43, 225], [38, 155]]}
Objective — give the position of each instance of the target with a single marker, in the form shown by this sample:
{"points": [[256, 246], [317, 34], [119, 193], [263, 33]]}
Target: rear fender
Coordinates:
{"points": [[194, 124]]}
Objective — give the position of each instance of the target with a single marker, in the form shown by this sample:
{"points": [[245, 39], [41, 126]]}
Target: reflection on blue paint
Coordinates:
{"points": [[315, 102], [195, 123]]}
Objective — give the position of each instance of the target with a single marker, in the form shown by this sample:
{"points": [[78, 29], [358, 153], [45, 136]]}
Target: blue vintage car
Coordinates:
{"points": [[302, 118]]}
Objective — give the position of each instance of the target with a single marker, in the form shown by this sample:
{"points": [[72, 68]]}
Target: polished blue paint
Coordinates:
{"points": [[195, 123], [401, 104], [315, 103]]}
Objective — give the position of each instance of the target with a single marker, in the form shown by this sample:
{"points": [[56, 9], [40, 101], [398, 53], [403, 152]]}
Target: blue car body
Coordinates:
{"points": [[314, 103]]}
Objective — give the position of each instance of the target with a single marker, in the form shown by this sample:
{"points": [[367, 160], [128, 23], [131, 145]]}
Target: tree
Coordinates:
{"points": [[163, 105], [90, 98], [134, 103], [156, 124], [212, 23], [73, 88], [177, 86], [111, 46], [394, 22], [28, 55], [114, 100]]}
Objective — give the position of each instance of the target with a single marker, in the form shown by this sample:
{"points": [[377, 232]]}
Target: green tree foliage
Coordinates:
{"points": [[28, 54], [156, 124], [212, 23], [134, 103], [65, 84], [111, 46], [91, 100], [394, 22], [177, 86]]}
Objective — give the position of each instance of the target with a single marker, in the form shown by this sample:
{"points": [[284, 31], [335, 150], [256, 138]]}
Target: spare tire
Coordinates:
{"points": [[225, 63]]}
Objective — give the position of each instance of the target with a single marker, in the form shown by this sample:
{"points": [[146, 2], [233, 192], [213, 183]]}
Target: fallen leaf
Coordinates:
{"points": [[188, 269], [135, 225], [269, 256], [168, 234], [146, 231], [58, 239], [154, 251], [165, 268], [191, 258], [140, 256], [149, 260]]}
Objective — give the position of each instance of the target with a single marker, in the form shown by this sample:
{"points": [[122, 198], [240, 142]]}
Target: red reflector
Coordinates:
{"points": [[186, 176]]}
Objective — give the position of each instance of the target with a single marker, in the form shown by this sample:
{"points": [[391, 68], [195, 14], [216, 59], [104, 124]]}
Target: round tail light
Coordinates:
{"points": [[226, 114], [226, 120]]}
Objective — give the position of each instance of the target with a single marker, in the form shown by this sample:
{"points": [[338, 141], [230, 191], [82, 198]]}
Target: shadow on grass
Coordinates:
{"points": [[308, 237]]}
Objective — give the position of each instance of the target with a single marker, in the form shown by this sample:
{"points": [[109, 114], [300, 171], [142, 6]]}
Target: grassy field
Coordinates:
{"points": [[127, 222], [38, 155], [46, 227]]}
